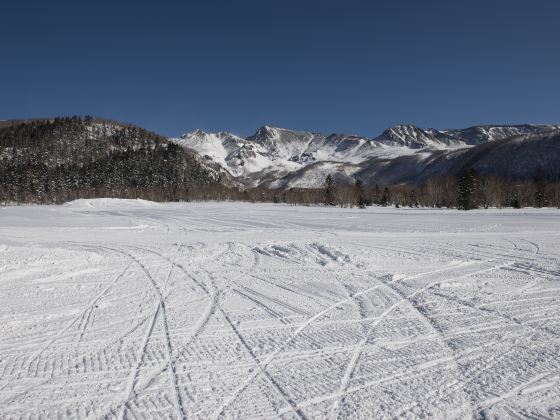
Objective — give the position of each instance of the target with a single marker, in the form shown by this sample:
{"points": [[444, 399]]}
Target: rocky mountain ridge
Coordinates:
{"points": [[278, 157]]}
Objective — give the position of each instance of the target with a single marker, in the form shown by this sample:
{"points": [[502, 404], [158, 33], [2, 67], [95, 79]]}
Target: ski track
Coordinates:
{"points": [[229, 310], [87, 314]]}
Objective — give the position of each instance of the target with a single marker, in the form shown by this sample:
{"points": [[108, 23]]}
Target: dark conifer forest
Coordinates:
{"points": [[52, 161]]}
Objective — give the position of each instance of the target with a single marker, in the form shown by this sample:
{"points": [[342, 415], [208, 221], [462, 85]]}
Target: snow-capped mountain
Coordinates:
{"points": [[515, 157], [278, 157], [272, 153], [417, 138]]}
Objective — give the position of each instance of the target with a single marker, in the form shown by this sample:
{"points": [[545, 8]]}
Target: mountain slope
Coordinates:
{"points": [[514, 157], [277, 157]]}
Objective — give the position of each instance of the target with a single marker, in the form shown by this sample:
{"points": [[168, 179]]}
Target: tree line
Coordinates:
{"points": [[467, 191]]}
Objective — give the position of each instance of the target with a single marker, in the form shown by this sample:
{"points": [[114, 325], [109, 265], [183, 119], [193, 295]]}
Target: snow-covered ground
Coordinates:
{"points": [[131, 309]]}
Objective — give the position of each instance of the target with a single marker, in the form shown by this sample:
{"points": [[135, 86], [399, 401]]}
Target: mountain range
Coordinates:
{"points": [[282, 158]]}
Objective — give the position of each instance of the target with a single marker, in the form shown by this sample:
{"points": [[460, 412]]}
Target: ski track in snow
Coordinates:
{"points": [[128, 309]]}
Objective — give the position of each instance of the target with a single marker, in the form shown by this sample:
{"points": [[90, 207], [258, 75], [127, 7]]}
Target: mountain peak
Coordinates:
{"points": [[195, 133], [267, 129], [403, 127], [265, 132], [407, 135]]}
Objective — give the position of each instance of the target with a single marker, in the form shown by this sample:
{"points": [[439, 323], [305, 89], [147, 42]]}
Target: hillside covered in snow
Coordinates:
{"points": [[278, 157]]}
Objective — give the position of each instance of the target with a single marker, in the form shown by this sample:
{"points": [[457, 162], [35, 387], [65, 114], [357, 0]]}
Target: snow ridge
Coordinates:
{"points": [[279, 157]]}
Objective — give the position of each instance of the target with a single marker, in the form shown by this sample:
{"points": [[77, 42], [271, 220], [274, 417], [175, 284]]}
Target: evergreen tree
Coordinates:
{"points": [[386, 197], [361, 200], [376, 194], [330, 199], [469, 190], [540, 188], [413, 200]]}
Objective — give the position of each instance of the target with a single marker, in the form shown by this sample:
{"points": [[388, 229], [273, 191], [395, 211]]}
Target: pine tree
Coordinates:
{"points": [[540, 188], [386, 197], [413, 200], [469, 190], [361, 200], [376, 194], [330, 199]]}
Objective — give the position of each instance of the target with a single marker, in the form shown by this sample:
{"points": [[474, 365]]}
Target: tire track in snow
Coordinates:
{"points": [[199, 326], [171, 266], [336, 405], [523, 264], [429, 286], [553, 337], [416, 372], [366, 332], [211, 290], [296, 291], [80, 317], [80, 357], [473, 373], [216, 306], [339, 396], [72, 363], [298, 331], [257, 302], [412, 372], [274, 354], [160, 310], [203, 320], [470, 251], [509, 318], [321, 252], [402, 299], [267, 375], [167, 338], [528, 386], [277, 302], [348, 372], [432, 326], [470, 375], [85, 321], [535, 245], [130, 385]]}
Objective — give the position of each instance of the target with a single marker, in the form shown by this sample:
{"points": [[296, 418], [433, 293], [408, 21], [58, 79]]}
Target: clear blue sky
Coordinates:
{"points": [[328, 66]]}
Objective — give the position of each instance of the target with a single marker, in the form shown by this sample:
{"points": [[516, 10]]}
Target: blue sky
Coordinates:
{"points": [[328, 66]]}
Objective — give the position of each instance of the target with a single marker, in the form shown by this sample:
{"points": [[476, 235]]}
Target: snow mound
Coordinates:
{"points": [[98, 203]]}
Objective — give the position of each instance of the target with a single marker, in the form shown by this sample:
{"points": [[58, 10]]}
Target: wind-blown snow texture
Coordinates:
{"points": [[130, 309], [278, 157]]}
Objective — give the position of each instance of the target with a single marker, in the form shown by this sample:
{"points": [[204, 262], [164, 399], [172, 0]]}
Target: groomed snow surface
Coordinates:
{"points": [[131, 309]]}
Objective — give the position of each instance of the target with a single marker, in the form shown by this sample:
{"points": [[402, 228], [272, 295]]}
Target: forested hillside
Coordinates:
{"points": [[66, 158]]}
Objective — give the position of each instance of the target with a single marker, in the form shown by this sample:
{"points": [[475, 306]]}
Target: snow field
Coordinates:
{"points": [[132, 309]]}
